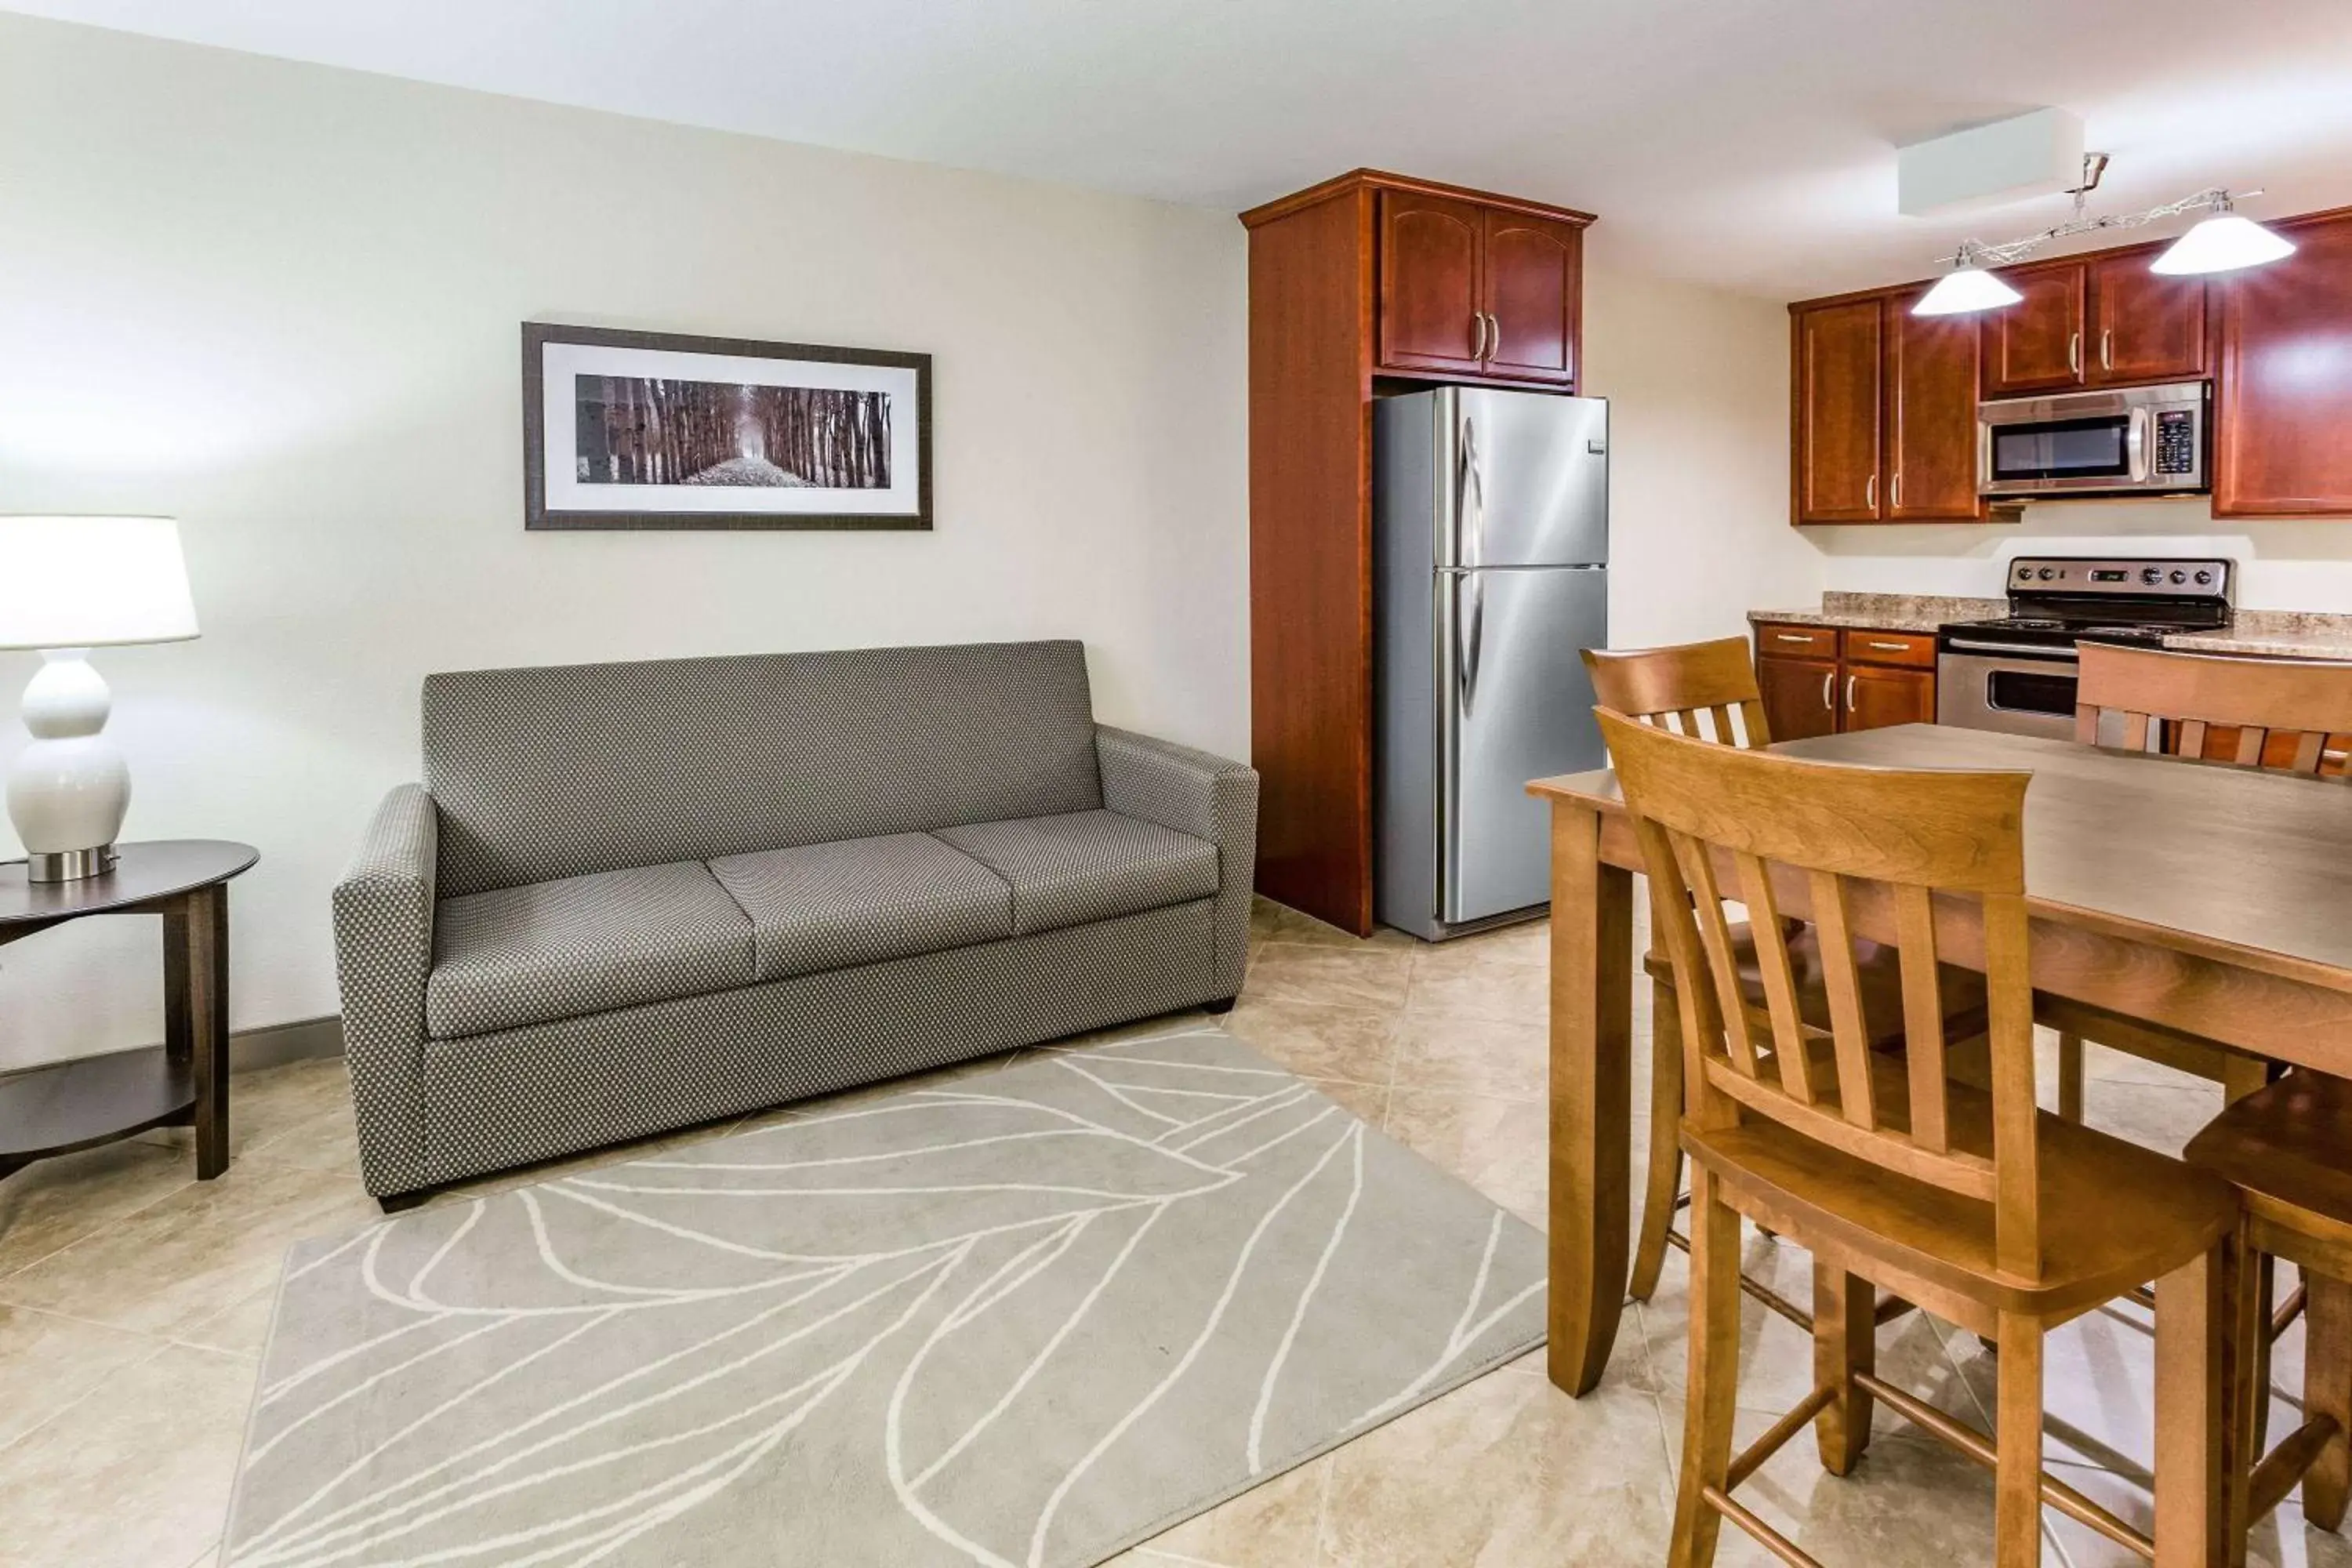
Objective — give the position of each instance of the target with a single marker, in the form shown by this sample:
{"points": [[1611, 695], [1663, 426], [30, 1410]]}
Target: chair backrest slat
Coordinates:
{"points": [[1670, 686], [2172, 702], [1856, 851]]}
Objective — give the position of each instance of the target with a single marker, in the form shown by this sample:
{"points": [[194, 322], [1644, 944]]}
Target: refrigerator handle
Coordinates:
{"points": [[1469, 500], [1470, 626]]}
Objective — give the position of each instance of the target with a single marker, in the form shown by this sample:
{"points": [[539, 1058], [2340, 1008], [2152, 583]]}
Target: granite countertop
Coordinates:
{"points": [[2277, 634]]}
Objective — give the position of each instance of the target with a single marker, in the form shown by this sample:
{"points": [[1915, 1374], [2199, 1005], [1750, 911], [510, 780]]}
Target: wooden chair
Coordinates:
{"points": [[1696, 688], [2283, 1147], [1970, 1202]]}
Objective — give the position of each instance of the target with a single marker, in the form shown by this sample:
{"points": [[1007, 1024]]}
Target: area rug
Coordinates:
{"points": [[1024, 1319]]}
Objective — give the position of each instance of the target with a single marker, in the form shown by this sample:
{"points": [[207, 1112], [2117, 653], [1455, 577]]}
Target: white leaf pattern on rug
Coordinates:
{"points": [[1021, 1321]]}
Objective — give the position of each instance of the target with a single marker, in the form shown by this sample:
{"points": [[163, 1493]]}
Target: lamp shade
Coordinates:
{"points": [[1964, 289], [91, 582], [2222, 243]]}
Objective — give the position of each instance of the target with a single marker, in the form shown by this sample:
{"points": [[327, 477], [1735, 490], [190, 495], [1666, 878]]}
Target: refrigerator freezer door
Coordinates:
{"points": [[1529, 477], [1515, 704]]}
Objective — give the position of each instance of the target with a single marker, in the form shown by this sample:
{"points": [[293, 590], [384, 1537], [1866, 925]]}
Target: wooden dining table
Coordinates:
{"points": [[2183, 897]]}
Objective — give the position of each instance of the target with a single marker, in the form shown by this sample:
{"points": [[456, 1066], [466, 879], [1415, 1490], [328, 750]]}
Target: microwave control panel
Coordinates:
{"points": [[2176, 441]]}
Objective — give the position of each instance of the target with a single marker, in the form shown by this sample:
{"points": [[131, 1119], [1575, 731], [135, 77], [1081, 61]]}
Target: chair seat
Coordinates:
{"points": [[1085, 865], [864, 900], [1877, 967], [2113, 1214], [583, 944], [2284, 1147]]}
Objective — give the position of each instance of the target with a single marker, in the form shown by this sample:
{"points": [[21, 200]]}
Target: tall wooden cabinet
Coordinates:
{"points": [[1883, 410], [2283, 410], [1364, 283]]}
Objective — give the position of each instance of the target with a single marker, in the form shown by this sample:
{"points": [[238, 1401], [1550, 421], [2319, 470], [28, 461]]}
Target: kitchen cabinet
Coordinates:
{"points": [[1820, 680], [2036, 344], [1884, 412], [2282, 411], [2098, 320], [1470, 290], [1357, 287]]}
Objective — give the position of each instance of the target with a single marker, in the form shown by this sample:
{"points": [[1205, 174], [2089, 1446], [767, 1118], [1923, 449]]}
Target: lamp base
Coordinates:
{"points": [[68, 865]]}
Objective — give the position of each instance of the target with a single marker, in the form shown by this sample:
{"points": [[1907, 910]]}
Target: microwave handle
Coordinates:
{"points": [[2136, 445]]}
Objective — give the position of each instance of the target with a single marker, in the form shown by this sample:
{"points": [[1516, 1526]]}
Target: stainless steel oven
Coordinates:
{"points": [[2134, 440], [1988, 686]]}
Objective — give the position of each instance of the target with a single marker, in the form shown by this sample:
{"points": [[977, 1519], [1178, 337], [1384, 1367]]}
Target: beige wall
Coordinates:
{"points": [[1697, 381], [281, 302]]}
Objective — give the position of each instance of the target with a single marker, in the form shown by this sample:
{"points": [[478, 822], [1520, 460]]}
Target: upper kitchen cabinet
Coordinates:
{"points": [[1931, 415], [1836, 355], [1477, 290], [2282, 417], [2096, 320]]}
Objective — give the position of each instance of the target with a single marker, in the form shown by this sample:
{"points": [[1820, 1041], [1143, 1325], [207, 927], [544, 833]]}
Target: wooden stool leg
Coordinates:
{"points": [[2246, 1388], [2070, 1078], [2193, 1443], [1665, 1174], [1714, 1375], [2327, 1391], [2017, 1433], [1845, 1341]]}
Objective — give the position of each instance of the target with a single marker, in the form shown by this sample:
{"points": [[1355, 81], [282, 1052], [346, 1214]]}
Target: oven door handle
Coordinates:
{"points": [[1963, 644]]}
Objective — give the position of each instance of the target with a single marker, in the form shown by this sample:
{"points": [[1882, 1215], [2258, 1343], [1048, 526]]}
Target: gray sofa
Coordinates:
{"points": [[630, 897]]}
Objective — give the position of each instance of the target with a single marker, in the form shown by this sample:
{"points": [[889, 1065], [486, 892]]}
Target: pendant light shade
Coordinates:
{"points": [[1963, 290], [2222, 243]]}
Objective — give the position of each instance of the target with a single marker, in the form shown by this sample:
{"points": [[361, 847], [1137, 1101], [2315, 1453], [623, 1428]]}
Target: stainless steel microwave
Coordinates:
{"points": [[2133, 440]]}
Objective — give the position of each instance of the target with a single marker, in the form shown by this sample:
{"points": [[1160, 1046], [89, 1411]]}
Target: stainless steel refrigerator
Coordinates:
{"points": [[1490, 515]]}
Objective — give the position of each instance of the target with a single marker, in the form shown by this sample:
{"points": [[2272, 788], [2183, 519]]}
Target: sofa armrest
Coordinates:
{"points": [[383, 956], [1206, 796]]}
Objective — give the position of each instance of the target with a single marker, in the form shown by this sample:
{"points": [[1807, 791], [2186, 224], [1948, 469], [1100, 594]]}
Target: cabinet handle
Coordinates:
{"points": [[1892, 647], [1478, 349], [1848, 693], [1493, 337], [1870, 493], [2107, 349], [1794, 636], [1896, 490], [2075, 353], [1829, 686]]}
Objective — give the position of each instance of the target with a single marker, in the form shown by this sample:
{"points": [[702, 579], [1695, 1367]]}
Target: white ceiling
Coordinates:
{"points": [[1748, 143]]}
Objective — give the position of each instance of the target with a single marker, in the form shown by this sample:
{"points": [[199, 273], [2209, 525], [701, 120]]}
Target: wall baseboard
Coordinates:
{"points": [[274, 1044]]}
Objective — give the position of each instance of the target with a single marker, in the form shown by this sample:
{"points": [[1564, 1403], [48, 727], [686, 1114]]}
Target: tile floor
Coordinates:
{"points": [[133, 1303]]}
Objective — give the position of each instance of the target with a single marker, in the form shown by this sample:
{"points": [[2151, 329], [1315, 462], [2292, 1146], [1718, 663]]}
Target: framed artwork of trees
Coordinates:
{"points": [[656, 430]]}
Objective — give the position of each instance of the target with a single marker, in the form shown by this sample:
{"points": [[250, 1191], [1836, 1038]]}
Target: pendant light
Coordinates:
{"points": [[1966, 288], [2222, 243]]}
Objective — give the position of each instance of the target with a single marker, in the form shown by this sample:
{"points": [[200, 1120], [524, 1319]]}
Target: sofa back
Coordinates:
{"points": [[568, 769]]}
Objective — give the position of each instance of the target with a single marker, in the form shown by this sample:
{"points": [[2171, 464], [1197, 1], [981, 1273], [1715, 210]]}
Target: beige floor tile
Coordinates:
{"points": [[1505, 992], [1270, 922], [1498, 1146], [205, 1249], [48, 1362], [266, 1106], [1368, 1102], [1488, 952], [53, 1204], [135, 1474], [1472, 1054], [1505, 1470], [1361, 976], [242, 1329], [1275, 1522], [2284, 1540], [1315, 1040]]}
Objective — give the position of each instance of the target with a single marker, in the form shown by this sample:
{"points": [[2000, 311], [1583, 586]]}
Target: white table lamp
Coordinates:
{"points": [[69, 584]]}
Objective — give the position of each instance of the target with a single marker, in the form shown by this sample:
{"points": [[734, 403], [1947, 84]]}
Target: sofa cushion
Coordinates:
{"points": [[1085, 865], [562, 771], [830, 906], [583, 945]]}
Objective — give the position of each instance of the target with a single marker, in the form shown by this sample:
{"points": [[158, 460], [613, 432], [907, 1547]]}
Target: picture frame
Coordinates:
{"points": [[660, 430]]}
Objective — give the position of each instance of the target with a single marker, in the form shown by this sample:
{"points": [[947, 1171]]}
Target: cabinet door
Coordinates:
{"points": [[2036, 344], [2148, 327], [1430, 253], [2283, 419], [1931, 415], [1799, 697], [1836, 407], [1533, 282], [1879, 695]]}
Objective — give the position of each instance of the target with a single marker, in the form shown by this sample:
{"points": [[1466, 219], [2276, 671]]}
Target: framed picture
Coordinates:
{"points": [[655, 430]]}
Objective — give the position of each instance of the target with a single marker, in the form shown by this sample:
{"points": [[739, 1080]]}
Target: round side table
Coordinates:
{"points": [[73, 1105]]}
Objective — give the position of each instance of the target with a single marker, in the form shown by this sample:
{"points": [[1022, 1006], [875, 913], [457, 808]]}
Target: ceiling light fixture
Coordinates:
{"points": [[2221, 243]]}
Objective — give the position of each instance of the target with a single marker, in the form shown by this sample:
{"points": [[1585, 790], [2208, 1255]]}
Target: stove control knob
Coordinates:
{"points": [[2204, 579], [2024, 574], [2047, 573], [2151, 575], [2181, 576]]}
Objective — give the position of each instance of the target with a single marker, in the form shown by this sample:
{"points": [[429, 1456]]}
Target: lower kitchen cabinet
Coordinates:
{"points": [[1877, 698], [1871, 679], [1801, 696]]}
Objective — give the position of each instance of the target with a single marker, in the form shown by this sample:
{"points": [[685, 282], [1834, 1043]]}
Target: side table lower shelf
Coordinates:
{"points": [[96, 1100]]}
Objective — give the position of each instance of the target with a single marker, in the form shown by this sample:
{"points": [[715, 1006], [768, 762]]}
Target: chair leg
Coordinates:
{"points": [[2069, 1078], [2327, 1391], [2263, 1269], [2017, 1433], [1845, 1341], [1714, 1375], [2194, 1443], [1665, 1172]]}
